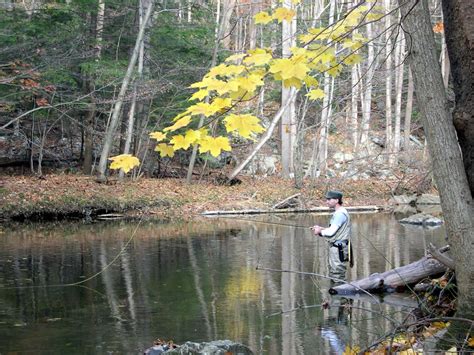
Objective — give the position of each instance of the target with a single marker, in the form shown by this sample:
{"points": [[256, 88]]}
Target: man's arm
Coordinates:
{"points": [[338, 221]]}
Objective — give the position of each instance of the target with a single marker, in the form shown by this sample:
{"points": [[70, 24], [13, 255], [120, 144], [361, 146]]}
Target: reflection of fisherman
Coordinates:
{"points": [[338, 236], [336, 329]]}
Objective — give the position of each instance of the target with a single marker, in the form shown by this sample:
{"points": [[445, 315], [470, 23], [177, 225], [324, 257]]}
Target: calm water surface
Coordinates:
{"points": [[197, 281]]}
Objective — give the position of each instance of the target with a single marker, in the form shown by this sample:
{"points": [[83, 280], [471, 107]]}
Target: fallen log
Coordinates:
{"points": [[394, 279], [289, 202], [358, 209]]}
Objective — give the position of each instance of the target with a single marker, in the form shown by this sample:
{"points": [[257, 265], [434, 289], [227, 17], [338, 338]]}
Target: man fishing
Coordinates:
{"points": [[338, 236]]}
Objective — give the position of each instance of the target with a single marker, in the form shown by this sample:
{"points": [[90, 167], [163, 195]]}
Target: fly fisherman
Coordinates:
{"points": [[338, 236]]}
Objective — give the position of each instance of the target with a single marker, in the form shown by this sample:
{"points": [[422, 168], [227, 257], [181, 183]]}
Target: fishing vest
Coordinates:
{"points": [[344, 231]]}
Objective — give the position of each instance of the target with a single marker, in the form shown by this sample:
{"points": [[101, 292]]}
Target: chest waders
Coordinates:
{"points": [[340, 250]]}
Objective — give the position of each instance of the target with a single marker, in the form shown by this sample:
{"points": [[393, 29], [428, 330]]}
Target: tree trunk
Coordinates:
{"points": [[367, 97], [388, 82], [459, 27], [131, 122], [408, 112], [89, 138], [109, 134], [288, 98], [354, 108], [399, 58], [326, 111], [448, 168]]}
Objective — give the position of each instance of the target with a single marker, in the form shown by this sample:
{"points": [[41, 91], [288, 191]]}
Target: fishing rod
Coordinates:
{"points": [[268, 223]]}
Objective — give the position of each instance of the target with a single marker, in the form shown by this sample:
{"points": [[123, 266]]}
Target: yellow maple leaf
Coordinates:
{"points": [[258, 57], [351, 351], [409, 352], [306, 38], [352, 59], [220, 86], [245, 124], [470, 342], [233, 70], [374, 16], [218, 70], [292, 82], [440, 325], [126, 162], [165, 150], [295, 2], [283, 14], [262, 18], [221, 103], [353, 18], [159, 136], [192, 136], [182, 122], [180, 142], [310, 81], [335, 70], [214, 145], [315, 94], [235, 57], [201, 108], [199, 95], [249, 83], [288, 69], [203, 83]]}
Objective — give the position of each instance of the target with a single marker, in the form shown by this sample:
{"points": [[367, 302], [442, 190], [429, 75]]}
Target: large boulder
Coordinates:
{"points": [[422, 219], [217, 347], [403, 200], [427, 199]]}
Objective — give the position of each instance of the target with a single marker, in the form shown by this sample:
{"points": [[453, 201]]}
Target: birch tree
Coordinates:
{"points": [[388, 81], [326, 110], [399, 59], [111, 129], [288, 97], [367, 92]]}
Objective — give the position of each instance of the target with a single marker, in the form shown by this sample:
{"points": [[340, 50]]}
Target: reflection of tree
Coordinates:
{"points": [[127, 276], [110, 291], [288, 326], [198, 286]]}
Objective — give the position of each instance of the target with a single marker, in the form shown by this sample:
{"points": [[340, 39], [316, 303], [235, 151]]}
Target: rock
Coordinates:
{"points": [[422, 220], [263, 165], [427, 199], [403, 200], [217, 347], [434, 210], [378, 141]]}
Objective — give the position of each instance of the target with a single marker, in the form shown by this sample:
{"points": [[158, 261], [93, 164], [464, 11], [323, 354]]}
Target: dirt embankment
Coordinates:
{"points": [[76, 196]]}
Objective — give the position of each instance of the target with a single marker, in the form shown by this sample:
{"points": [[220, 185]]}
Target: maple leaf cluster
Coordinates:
{"points": [[220, 92]]}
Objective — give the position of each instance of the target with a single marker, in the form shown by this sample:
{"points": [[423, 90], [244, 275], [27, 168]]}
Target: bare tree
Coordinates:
{"points": [[288, 121], [109, 134]]}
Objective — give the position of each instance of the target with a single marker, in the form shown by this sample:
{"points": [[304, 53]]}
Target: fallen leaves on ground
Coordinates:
{"points": [[184, 200]]}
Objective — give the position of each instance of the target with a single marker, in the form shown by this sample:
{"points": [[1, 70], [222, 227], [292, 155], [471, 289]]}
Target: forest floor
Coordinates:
{"points": [[72, 196]]}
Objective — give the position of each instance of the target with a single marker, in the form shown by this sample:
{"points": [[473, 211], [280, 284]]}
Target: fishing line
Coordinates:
{"points": [[305, 227], [79, 283]]}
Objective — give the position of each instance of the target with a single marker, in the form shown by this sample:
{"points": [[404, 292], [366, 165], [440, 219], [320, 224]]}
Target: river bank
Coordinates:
{"points": [[25, 198]]}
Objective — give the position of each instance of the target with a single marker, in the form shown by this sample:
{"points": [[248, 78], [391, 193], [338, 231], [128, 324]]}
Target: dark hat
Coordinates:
{"points": [[334, 194]]}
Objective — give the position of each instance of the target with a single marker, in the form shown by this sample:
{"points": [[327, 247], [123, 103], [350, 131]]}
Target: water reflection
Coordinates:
{"points": [[194, 281]]}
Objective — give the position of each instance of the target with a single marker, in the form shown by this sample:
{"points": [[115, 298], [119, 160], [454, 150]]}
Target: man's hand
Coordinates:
{"points": [[316, 229]]}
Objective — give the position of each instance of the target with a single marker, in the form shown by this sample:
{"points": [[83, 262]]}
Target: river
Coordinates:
{"points": [[114, 287]]}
